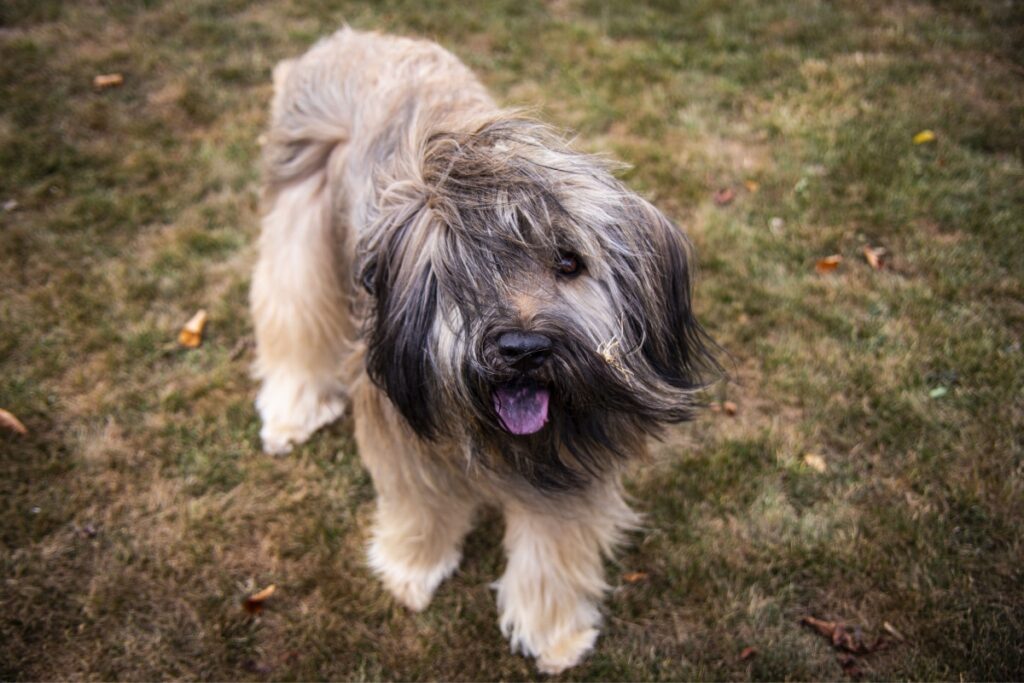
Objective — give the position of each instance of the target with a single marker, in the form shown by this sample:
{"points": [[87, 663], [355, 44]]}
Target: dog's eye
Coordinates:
{"points": [[569, 264]]}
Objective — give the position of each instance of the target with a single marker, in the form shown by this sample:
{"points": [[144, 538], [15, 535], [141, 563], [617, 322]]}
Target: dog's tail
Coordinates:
{"points": [[307, 123]]}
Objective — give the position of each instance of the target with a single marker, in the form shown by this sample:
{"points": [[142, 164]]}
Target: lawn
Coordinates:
{"points": [[868, 466]]}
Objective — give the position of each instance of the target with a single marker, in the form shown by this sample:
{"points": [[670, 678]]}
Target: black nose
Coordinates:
{"points": [[524, 350]]}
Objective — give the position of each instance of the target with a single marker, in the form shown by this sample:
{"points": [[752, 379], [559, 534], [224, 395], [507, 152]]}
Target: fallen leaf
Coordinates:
{"points": [[634, 577], [730, 408], [843, 636], [891, 630], [825, 628], [11, 422], [873, 255], [815, 462], [254, 603], [924, 136], [724, 196], [752, 186], [747, 653], [191, 334], [107, 81], [938, 392], [828, 264]]}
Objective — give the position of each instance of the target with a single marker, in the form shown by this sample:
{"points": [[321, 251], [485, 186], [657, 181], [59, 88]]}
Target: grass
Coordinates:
{"points": [[137, 512]]}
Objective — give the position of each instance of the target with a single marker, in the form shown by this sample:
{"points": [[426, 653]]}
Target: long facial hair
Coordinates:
{"points": [[456, 238]]}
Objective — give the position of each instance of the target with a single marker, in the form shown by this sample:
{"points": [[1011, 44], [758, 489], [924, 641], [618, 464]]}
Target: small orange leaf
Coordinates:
{"points": [[107, 81], [11, 422], [873, 255], [191, 335], [752, 185], [747, 653], [828, 264], [634, 577], [254, 603], [730, 408]]}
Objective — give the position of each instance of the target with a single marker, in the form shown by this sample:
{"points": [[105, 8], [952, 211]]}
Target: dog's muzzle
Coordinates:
{"points": [[522, 405]]}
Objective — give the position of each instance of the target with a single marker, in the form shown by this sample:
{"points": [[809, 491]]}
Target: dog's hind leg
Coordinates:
{"points": [[548, 597], [300, 315]]}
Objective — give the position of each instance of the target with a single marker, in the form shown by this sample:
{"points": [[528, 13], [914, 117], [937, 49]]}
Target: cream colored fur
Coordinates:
{"points": [[322, 188]]}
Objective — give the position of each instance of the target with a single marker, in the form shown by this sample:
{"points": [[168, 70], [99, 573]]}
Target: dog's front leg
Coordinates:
{"points": [[423, 509], [549, 595], [416, 543]]}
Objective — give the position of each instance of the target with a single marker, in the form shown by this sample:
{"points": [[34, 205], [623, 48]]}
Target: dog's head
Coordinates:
{"points": [[523, 298]]}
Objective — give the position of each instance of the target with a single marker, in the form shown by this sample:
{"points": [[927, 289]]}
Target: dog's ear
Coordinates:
{"points": [[395, 268], [677, 348]]}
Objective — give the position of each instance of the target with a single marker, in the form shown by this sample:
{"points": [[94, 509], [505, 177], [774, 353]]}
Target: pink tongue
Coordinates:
{"points": [[523, 410]]}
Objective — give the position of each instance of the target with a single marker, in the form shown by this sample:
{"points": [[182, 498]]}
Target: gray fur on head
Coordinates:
{"points": [[467, 249]]}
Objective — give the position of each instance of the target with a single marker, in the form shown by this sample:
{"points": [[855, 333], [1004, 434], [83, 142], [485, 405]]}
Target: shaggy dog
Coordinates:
{"points": [[507, 320]]}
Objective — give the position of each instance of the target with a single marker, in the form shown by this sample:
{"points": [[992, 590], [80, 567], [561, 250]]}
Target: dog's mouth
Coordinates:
{"points": [[522, 406]]}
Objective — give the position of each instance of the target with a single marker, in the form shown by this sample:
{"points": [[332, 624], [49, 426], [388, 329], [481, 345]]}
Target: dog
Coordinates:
{"points": [[508, 322]]}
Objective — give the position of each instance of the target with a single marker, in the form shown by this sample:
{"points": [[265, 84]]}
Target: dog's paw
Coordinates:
{"points": [[566, 652], [285, 426], [411, 585]]}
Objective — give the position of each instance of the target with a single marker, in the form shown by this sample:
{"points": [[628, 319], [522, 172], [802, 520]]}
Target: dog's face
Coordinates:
{"points": [[525, 301]]}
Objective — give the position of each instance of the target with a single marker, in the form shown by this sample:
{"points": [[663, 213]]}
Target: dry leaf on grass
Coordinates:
{"points": [[11, 422], [191, 334], [891, 630], [815, 462], [752, 186], [846, 637], [828, 264], [634, 577], [874, 255], [730, 408], [107, 81], [924, 136], [748, 652], [724, 196], [254, 603]]}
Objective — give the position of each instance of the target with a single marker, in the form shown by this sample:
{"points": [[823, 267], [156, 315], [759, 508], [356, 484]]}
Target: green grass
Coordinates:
{"points": [[138, 512]]}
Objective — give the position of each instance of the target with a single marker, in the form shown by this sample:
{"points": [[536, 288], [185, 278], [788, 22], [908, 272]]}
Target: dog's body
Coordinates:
{"points": [[507, 320]]}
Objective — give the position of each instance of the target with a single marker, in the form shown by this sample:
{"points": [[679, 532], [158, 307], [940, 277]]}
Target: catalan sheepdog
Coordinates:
{"points": [[507, 321]]}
